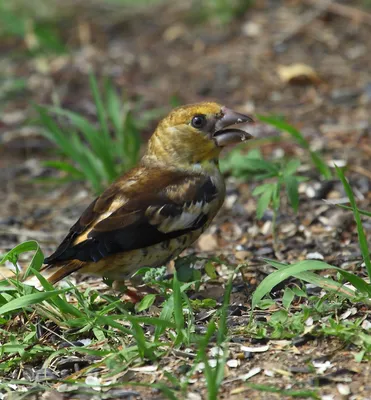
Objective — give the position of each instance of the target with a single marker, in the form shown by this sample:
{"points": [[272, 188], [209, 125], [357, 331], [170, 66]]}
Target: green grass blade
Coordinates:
{"points": [[24, 247], [28, 300], [264, 201], [94, 139], [165, 314], [114, 108], [280, 124], [109, 320], [254, 165], [60, 303], [102, 118], [292, 190], [131, 139], [54, 133], [223, 328], [362, 212], [65, 167], [178, 305], [139, 338], [277, 277], [291, 167], [357, 282], [320, 281], [361, 233], [101, 113]]}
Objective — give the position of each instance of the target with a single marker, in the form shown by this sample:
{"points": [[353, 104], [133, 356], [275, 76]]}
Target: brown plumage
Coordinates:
{"points": [[153, 212]]}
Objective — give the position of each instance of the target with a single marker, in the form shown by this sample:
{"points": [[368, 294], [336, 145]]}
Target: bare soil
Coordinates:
{"points": [[163, 52]]}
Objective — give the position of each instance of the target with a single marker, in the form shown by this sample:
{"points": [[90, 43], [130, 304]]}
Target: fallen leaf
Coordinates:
{"points": [[208, 243], [297, 73]]}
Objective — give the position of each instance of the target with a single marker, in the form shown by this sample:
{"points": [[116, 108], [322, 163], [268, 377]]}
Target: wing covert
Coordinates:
{"points": [[179, 204]]}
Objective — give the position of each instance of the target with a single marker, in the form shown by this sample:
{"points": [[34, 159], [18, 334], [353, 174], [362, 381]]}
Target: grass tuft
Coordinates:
{"points": [[98, 153]]}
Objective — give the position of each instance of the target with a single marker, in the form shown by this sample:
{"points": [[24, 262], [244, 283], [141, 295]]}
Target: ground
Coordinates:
{"points": [[166, 53]]}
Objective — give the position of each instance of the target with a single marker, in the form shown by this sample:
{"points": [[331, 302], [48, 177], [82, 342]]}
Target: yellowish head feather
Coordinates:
{"points": [[177, 142], [184, 114]]}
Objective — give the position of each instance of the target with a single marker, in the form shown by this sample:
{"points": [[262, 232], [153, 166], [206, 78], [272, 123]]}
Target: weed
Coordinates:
{"points": [[359, 292], [100, 153], [121, 335], [34, 25], [281, 177]]}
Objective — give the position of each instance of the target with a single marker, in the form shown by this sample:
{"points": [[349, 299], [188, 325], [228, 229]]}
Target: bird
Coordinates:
{"points": [[148, 216]]}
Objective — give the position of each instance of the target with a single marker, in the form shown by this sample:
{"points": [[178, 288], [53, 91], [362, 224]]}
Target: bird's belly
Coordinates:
{"points": [[122, 265]]}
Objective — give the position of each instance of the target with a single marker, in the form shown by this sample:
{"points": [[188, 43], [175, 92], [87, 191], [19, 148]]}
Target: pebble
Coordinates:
{"points": [[344, 390]]}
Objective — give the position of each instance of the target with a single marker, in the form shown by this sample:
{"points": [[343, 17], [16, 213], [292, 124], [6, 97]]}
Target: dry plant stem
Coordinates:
{"points": [[304, 21], [360, 170], [275, 241], [344, 10], [274, 231]]}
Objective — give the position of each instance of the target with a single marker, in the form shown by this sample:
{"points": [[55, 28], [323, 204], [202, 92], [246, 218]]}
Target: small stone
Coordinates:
{"points": [[208, 243], [315, 256], [193, 396], [213, 363], [233, 363], [251, 29], [94, 382], [366, 325], [216, 351], [344, 390]]}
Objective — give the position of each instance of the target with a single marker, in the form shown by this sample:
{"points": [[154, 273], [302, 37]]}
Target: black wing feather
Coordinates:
{"points": [[103, 240]]}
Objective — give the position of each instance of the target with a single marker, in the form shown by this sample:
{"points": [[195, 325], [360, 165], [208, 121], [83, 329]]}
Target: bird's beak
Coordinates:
{"points": [[224, 137]]}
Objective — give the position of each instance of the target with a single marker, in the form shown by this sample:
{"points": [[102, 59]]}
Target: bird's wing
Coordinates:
{"points": [[138, 213]]}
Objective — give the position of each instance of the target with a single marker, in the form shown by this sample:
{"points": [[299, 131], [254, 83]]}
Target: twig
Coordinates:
{"points": [[304, 21], [360, 170], [343, 10]]}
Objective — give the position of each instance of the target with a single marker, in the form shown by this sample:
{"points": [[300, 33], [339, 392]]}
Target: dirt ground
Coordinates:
{"points": [[160, 53]]}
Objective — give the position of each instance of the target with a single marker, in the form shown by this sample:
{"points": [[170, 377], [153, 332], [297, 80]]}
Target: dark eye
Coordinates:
{"points": [[199, 121]]}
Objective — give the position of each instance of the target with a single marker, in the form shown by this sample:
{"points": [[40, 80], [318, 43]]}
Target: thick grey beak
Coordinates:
{"points": [[224, 137]]}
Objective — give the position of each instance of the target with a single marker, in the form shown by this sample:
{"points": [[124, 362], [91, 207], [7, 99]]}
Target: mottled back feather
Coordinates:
{"points": [[167, 204]]}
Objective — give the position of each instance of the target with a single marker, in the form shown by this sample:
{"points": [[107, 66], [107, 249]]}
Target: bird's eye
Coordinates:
{"points": [[199, 121]]}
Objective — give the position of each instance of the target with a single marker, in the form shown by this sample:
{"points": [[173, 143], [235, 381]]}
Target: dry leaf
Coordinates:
{"points": [[297, 73], [207, 243]]}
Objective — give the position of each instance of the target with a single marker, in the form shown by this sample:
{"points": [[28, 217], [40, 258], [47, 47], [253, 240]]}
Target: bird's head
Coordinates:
{"points": [[196, 133]]}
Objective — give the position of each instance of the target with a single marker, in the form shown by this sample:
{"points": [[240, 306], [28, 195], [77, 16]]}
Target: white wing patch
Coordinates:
{"points": [[184, 220]]}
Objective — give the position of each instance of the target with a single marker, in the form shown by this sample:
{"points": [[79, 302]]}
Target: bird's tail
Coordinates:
{"points": [[53, 273]]}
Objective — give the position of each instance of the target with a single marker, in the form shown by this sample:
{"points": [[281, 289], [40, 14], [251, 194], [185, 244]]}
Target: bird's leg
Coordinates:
{"points": [[122, 286], [133, 294]]}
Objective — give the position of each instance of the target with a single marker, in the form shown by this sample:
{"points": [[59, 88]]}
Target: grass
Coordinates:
{"points": [[120, 333], [119, 336], [40, 328], [97, 153], [34, 26], [302, 269]]}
